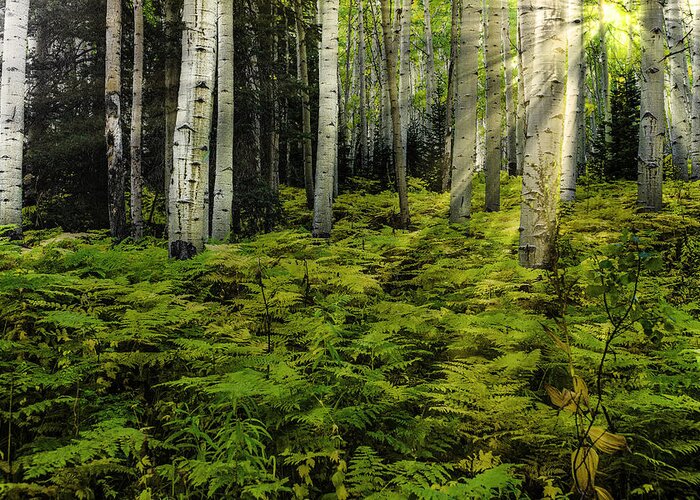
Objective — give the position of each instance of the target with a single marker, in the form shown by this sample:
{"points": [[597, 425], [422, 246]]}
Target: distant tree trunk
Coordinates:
{"points": [[303, 75], [273, 174], [679, 92], [327, 148], [136, 114], [464, 152], [695, 106], [364, 132], [13, 88], [172, 82], [386, 121], [404, 15], [525, 32], [450, 104], [188, 229], [223, 181], [541, 174], [604, 75], [116, 169], [430, 91], [574, 96], [651, 125], [508, 64], [399, 150], [494, 71]]}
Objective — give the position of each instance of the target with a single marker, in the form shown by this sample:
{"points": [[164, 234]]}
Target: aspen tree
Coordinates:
{"points": [[545, 110], [574, 96], [695, 95], [494, 115], [136, 125], [464, 149], [652, 119], [12, 93], [430, 90], [303, 75], [327, 148], [678, 92], [172, 81], [364, 132], [116, 168], [450, 104], [404, 17], [222, 200], [509, 65], [188, 199], [399, 151]]}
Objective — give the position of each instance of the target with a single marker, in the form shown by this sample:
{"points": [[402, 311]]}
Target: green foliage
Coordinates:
{"points": [[380, 364]]}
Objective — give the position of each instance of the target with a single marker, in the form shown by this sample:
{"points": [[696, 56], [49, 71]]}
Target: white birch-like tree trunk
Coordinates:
{"points": [[12, 94], [574, 96], [464, 149], [172, 82], [652, 119], [398, 146], [430, 90], [679, 93], [136, 124], [405, 68], [223, 181], [604, 75], [524, 46], [303, 76], [362, 82], [116, 168], [508, 81], [545, 123], [450, 101], [695, 95], [327, 147], [188, 216], [494, 115]]}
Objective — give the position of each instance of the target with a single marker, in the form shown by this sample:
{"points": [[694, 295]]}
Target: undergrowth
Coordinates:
{"points": [[380, 364]]}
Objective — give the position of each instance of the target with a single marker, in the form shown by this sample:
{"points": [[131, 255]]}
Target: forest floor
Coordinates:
{"points": [[382, 363]]}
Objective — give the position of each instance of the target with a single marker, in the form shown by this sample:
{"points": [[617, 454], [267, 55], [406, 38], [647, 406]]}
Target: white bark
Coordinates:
{"points": [[494, 115], [678, 88], [136, 125], [695, 104], [651, 125], [574, 96], [223, 181], [430, 90], [541, 173], [12, 92], [364, 149], [172, 80], [303, 76], [405, 69], [188, 187], [464, 149], [509, 65], [327, 148]]}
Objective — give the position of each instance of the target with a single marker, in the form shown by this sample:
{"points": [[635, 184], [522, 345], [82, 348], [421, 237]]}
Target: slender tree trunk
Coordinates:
{"points": [[450, 104], [404, 15], [116, 168], [464, 152], [303, 75], [223, 181], [399, 150], [364, 132], [494, 71], [386, 132], [172, 81], [695, 105], [541, 174], [13, 88], [604, 75], [574, 96], [430, 90], [679, 92], [651, 125], [508, 64], [327, 148], [188, 229], [525, 13], [136, 114], [273, 171]]}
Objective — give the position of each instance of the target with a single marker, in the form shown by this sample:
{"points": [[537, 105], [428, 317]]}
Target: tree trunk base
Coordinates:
{"points": [[182, 250]]}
